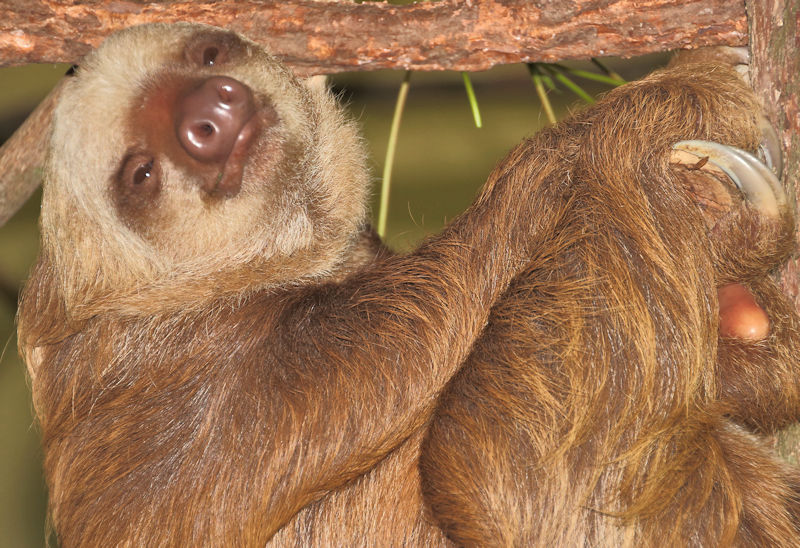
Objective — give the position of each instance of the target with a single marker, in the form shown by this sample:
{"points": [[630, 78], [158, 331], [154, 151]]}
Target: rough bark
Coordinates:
{"points": [[22, 157], [319, 37], [775, 66]]}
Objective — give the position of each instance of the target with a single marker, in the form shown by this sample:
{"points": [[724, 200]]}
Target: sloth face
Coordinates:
{"points": [[186, 150]]}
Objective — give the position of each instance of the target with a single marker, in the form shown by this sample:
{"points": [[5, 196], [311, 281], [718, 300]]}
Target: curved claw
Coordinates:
{"points": [[770, 147], [756, 181]]}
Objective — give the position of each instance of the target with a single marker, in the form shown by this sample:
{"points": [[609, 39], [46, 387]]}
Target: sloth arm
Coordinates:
{"points": [[354, 368]]}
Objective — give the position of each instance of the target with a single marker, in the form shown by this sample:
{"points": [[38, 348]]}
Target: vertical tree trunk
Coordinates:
{"points": [[775, 68]]}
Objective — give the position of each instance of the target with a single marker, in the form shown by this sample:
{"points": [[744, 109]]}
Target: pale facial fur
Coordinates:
{"points": [[302, 196]]}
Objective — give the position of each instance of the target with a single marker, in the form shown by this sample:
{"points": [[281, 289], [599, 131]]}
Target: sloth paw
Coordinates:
{"points": [[744, 206], [757, 181], [750, 232], [742, 203]]}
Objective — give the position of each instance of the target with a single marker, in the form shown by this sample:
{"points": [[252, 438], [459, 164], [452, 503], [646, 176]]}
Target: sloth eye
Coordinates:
{"points": [[142, 173], [210, 49], [136, 187], [137, 183], [210, 55], [71, 71], [139, 171]]}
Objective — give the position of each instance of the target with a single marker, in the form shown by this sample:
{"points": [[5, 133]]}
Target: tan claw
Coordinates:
{"points": [[770, 147], [756, 181]]}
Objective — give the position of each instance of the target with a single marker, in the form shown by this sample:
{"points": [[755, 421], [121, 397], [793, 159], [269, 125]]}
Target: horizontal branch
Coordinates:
{"points": [[320, 37]]}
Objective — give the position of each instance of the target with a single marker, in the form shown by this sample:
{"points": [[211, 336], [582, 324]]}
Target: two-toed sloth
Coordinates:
{"points": [[222, 353]]}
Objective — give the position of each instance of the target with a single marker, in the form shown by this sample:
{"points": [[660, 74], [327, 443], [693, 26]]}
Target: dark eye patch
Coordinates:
{"points": [[136, 188]]}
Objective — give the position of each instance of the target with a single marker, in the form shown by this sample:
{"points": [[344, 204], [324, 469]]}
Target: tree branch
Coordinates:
{"points": [[22, 157], [320, 37], [774, 66]]}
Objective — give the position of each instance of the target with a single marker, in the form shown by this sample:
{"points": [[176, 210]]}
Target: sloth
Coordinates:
{"points": [[222, 352]]}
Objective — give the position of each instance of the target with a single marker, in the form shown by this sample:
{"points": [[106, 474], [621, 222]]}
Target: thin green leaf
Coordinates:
{"points": [[538, 82], [556, 71], [473, 101], [607, 70], [535, 69], [596, 77], [548, 82], [391, 149]]}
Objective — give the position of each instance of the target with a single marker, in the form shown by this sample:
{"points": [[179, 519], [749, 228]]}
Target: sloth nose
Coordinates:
{"points": [[211, 116]]}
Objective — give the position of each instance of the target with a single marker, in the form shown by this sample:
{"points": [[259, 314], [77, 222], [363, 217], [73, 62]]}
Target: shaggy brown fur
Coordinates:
{"points": [[229, 367], [599, 408], [218, 368]]}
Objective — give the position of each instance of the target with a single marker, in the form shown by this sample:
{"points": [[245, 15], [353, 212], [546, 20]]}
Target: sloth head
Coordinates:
{"points": [[187, 162]]}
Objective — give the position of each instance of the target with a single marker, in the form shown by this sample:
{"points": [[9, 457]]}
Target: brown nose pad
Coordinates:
{"points": [[210, 117]]}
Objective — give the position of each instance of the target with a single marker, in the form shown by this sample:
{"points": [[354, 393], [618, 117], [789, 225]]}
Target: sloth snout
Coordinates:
{"points": [[211, 116]]}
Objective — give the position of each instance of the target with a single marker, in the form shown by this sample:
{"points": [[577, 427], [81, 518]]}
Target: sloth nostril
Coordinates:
{"points": [[205, 130]]}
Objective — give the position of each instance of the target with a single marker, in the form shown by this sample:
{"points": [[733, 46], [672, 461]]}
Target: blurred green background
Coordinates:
{"points": [[442, 159]]}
